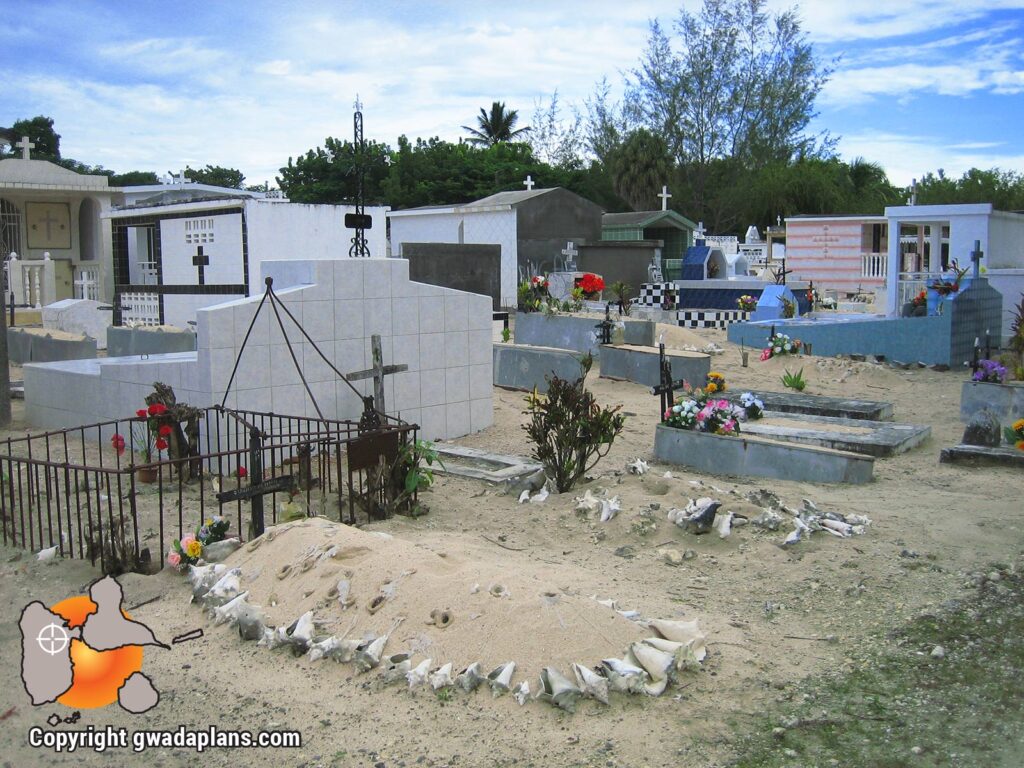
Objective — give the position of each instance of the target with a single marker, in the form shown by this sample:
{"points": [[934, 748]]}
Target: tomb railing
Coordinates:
{"points": [[73, 489]]}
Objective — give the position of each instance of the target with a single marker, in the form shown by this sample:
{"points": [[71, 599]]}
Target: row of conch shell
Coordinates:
{"points": [[648, 667]]}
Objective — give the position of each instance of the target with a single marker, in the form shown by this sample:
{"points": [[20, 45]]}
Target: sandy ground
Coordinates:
{"points": [[757, 601]]}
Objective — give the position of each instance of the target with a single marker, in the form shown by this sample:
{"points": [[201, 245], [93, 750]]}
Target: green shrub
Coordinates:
{"points": [[570, 432], [794, 380]]}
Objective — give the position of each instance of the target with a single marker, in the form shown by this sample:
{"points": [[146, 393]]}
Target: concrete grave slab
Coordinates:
{"points": [[572, 332], [976, 455], [482, 465], [872, 438], [1006, 401], [524, 367], [816, 405], [80, 316], [760, 457], [641, 364]]}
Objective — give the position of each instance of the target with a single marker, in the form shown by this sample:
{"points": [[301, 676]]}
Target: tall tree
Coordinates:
{"points": [[734, 84], [496, 126], [639, 168], [555, 141]]}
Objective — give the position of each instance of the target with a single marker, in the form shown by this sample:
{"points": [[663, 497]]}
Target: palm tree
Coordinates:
{"points": [[639, 167], [496, 127]]}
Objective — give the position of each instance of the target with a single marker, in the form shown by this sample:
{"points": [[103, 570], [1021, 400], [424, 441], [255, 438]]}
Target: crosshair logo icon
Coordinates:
{"points": [[52, 639]]}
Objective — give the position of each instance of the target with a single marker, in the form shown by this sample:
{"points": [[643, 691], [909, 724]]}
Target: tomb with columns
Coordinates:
{"points": [[52, 232]]}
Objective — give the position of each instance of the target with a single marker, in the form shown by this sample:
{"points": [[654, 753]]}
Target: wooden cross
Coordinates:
{"points": [[25, 145], [201, 260], [664, 197], [528, 183], [377, 373]]}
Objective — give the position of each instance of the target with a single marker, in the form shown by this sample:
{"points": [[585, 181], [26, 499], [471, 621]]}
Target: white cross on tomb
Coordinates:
{"points": [[25, 146], [85, 285], [180, 178], [529, 183], [665, 195]]}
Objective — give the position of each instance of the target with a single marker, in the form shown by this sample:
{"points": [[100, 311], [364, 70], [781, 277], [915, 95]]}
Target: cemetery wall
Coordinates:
{"points": [[474, 268], [1006, 241]]}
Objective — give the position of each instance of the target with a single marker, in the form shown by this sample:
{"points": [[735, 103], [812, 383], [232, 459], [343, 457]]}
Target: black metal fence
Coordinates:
{"points": [[75, 490]]}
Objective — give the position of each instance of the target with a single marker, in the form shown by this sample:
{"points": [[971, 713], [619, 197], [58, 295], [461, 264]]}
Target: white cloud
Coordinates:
{"points": [[908, 156]]}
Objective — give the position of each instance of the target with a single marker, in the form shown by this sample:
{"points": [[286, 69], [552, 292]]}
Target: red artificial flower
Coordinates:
{"points": [[141, 413], [242, 472], [118, 442], [591, 283], [157, 408], [161, 444], [165, 430]]}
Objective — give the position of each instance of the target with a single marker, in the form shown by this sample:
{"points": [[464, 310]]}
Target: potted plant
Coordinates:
{"points": [[592, 285], [917, 306]]}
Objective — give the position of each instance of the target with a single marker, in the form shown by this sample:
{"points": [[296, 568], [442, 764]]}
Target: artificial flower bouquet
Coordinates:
{"points": [[780, 344], [190, 548]]}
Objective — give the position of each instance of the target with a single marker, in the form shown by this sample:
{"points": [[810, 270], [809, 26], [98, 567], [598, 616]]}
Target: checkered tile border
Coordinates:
{"points": [[709, 318], [653, 294]]}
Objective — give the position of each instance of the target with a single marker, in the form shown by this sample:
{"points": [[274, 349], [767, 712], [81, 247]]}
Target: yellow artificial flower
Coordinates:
{"points": [[1020, 445], [1018, 425], [712, 388], [194, 549]]}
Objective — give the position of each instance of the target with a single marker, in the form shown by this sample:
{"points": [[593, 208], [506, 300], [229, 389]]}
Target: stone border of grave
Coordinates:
{"points": [[976, 455], [524, 368], [758, 457], [1006, 400], [887, 438], [816, 405], [450, 454]]}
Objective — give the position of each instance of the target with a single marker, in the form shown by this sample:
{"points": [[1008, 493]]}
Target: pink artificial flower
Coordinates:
{"points": [[723, 404], [187, 539], [729, 425], [173, 559], [766, 354]]}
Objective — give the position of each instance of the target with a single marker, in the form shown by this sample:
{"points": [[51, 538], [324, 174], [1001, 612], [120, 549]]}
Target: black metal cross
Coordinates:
{"points": [[377, 373], [976, 256], [201, 261], [666, 388]]}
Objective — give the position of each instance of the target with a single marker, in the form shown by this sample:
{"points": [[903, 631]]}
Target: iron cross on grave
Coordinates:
{"points": [[377, 373], [201, 261]]}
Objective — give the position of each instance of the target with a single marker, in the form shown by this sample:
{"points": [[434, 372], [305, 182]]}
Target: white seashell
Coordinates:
{"points": [[273, 637], [656, 663], [623, 676], [470, 678], [326, 648], [226, 587], [558, 690], [723, 524], [686, 632], [500, 678], [592, 684], [396, 667], [47, 554], [769, 520], [249, 620], [687, 655], [198, 574], [838, 528], [367, 655], [588, 502], [442, 678], [607, 603], [228, 613], [638, 467], [540, 496], [524, 496], [610, 508], [631, 615], [521, 693], [858, 520], [418, 675], [303, 632], [474, 589], [344, 588]]}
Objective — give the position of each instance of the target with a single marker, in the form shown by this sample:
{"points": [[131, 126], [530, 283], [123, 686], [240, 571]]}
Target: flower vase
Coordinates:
{"points": [[147, 474]]}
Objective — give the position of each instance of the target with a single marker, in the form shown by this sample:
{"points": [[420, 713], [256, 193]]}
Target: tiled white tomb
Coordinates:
{"points": [[442, 335]]}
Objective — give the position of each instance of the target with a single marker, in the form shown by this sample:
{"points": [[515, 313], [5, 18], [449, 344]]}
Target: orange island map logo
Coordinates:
{"points": [[86, 652]]}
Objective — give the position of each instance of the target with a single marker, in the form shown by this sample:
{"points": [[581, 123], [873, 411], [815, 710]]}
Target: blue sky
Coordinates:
{"points": [[919, 85]]}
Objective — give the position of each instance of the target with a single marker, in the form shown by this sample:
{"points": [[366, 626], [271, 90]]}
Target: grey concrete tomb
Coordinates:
{"points": [[642, 365], [518, 366], [126, 342], [25, 347], [757, 457]]}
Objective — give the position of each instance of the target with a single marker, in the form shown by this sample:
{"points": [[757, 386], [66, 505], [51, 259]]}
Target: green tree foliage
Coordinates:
{"points": [[496, 126], [329, 174], [640, 166], [217, 176], [553, 140], [134, 179], [1004, 189], [40, 131]]}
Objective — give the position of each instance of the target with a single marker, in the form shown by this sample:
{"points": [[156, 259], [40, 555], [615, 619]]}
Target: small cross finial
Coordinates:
{"points": [[699, 232], [665, 195], [180, 178], [529, 183], [357, 104], [25, 145]]}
